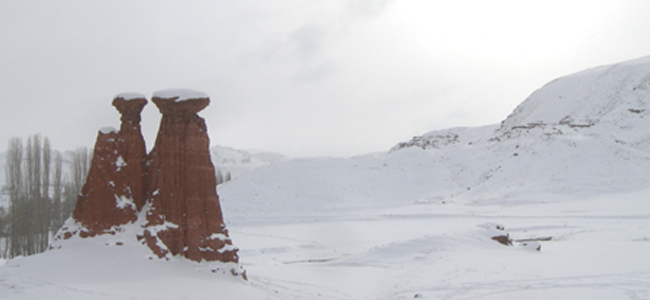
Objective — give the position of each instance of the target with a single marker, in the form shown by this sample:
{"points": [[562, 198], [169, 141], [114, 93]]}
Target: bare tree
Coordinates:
{"points": [[14, 185], [69, 198], [56, 218], [47, 157], [219, 177], [80, 163], [33, 216], [28, 185], [73, 185], [35, 188], [44, 201], [4, 233]]}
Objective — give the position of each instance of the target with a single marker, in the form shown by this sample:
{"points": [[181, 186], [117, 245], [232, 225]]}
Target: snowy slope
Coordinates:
{"points": [[238, 162], [587, 129], [614, 96], [567, 175], [408, 222], [116, 267]]}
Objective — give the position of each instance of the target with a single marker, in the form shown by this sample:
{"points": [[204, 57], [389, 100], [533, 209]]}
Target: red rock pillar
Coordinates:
{"points": [[115, 184], [132, 147], [184, 216]]}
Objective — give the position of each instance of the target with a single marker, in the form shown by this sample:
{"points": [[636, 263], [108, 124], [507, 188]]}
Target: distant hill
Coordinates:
{"points": [[238, 162], [586, 133]]}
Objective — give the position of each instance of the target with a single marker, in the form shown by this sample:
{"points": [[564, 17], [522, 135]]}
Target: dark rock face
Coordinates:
{"points": [[184, 216], [114, 189]]}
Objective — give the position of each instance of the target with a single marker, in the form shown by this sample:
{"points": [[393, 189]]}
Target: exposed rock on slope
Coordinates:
{"points": [[185, 215]]}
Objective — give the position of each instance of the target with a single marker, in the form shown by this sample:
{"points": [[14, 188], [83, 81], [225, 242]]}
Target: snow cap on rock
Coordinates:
{"points": [[128, 96], [107, 130], [184, 216], [179, 95], [180, 101]]}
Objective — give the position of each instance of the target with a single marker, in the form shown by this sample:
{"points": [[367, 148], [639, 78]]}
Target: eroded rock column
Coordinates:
{"points": [[132, 146], [184, 217], [114, 188]]}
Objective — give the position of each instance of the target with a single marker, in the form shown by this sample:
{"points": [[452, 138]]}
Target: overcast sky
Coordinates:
{"points": [[303, 78]]}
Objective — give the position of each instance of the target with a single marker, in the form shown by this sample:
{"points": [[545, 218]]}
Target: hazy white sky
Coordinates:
{"points": [[303, 78]]}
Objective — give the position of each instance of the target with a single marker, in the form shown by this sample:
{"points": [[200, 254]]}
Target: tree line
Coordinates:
{"points": [[41, 194], [222, 178]]}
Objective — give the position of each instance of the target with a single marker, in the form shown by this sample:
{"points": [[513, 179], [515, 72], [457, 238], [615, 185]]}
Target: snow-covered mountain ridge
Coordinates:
{"points": [[588, 129], [612, 99], [614, 96]]}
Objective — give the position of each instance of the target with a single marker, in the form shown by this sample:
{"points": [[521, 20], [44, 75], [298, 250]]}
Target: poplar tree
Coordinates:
{"points": [[14, 178], [56, 218]]}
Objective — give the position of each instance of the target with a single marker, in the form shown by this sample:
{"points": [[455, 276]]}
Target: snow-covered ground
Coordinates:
{"points": [[567, 173], [598, 249]]}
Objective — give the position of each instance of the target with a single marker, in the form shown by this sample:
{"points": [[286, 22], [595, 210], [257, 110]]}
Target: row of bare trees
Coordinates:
{"points": [[41, 195], [221, 178]]}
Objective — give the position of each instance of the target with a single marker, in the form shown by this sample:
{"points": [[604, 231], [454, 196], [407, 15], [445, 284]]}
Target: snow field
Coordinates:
{"points": [[442, 252]]}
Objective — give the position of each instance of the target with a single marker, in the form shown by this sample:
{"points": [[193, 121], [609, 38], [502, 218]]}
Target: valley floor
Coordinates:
{"points": [[599, 248]]}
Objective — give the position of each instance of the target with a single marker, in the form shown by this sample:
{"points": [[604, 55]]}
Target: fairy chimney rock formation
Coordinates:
{"points": [[133, 149], [114, 188], [184, 216], [171, 192]]}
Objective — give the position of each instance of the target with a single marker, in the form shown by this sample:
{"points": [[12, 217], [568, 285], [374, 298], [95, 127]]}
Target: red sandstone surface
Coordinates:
{"points": [[133, 149], [185, 216], [175, 183], [114, 189]]}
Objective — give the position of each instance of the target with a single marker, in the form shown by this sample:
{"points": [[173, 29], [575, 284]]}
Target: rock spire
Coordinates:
{"points": [[171, 192], [185, 216], [113, 192]]}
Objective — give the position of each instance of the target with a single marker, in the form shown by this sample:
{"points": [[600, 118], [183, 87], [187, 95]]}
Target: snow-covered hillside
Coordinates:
{"points": [[588, 129], [410, 222], [237, 162], [565, 173]]}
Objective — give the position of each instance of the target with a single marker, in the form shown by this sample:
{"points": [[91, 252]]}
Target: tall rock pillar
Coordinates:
{"points": [[184, 217], [132, 147], [114, 188]]}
